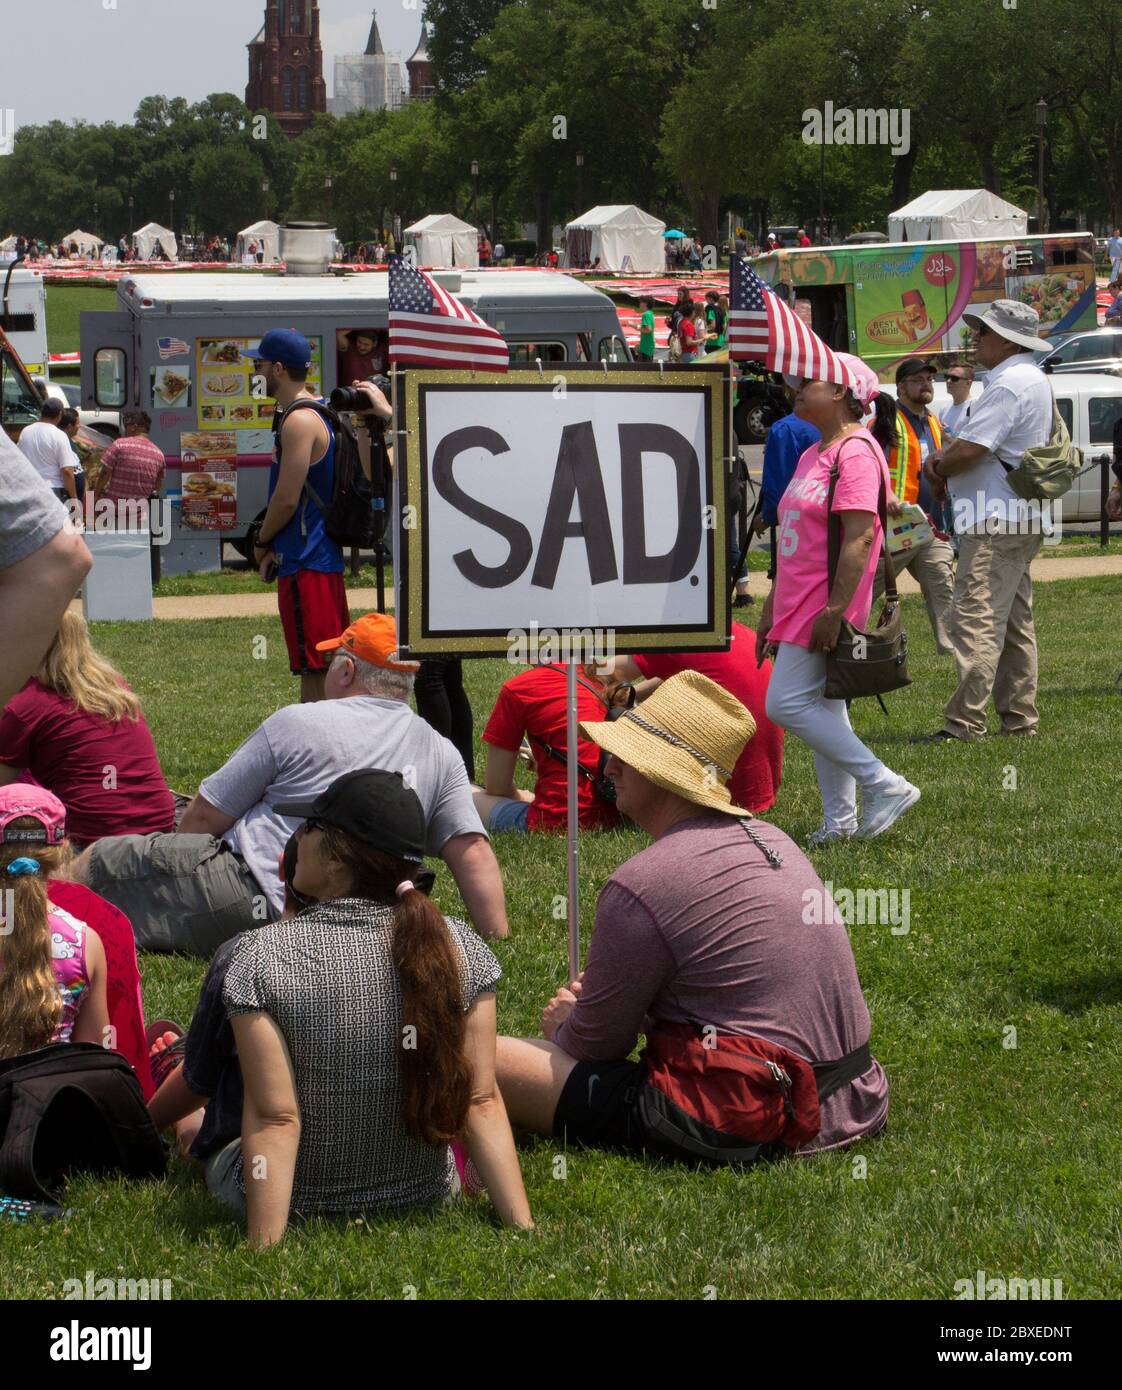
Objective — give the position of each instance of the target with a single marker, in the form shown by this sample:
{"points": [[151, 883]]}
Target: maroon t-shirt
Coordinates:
{"points": [[699, 928], [754, 783], [106, 774], [533, 703]]}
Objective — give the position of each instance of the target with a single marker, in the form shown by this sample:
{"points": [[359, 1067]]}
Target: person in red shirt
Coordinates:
{"points": [[533, 705], [132, 466], [78, 730], [361, 353], [755, 778]]}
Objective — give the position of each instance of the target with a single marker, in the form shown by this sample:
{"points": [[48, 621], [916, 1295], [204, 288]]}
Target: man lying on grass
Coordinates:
{"points": [[217, 875], [757, 1031]]}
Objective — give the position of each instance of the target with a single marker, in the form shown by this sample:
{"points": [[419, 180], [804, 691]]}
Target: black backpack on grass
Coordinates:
{"points": [[72, 1108], [349, 514]]}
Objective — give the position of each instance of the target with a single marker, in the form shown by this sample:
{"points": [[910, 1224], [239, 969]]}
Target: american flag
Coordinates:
{"points": [[763, 327], [431, 328], [171, 347]]}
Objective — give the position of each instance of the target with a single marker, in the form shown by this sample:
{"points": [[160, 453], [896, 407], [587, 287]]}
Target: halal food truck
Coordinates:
{"points": [[900, 299], [174, 348]]}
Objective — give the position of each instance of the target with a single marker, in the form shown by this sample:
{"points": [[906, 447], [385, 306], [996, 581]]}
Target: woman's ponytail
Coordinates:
{"points": [[883, 428], [436, 1078]]}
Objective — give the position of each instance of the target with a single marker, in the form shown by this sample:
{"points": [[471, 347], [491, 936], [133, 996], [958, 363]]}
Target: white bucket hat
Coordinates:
{"points": [[1019, 323]]}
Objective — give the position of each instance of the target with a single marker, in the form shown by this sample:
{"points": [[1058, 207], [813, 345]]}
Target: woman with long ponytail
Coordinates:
{"points": [[364, 1027], [52, 966]]}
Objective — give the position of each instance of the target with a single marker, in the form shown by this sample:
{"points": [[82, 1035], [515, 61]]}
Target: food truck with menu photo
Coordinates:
{"points": [[894, 300], [179, 346]]}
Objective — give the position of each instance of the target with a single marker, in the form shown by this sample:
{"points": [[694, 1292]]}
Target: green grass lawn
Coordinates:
{"points": [[996, 1157], [65, 303]]}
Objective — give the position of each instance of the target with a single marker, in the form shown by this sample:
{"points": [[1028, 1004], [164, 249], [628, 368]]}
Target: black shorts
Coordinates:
{"points": [[598, 1106]]}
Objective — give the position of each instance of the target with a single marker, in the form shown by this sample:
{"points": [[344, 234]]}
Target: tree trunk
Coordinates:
{"points": [[902, 166], [542, 201], [707, 208], [991, 175]]}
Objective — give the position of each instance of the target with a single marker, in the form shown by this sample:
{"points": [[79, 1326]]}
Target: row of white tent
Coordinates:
{"points": [[618, 237], [148, 240]]}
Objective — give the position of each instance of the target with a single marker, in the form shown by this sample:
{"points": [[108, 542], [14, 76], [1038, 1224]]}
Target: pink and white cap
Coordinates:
{"points": [[21, 799], [857, 375]]}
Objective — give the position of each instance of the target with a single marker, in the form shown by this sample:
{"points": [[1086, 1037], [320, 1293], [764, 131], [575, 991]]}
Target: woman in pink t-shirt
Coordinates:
{"points": [[802, 615]]}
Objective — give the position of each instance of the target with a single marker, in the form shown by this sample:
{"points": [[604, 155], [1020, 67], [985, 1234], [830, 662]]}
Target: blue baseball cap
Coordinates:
{"points": [[283, 345]]}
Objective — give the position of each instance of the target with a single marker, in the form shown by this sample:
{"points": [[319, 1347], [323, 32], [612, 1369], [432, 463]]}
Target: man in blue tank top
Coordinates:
{"points": [[293, 545]]}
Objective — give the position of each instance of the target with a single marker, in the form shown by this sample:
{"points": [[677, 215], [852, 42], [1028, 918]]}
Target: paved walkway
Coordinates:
{"points": [[265, 604]]}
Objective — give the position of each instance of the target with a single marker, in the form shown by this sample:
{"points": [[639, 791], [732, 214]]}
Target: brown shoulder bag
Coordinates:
{"points": [[870, 662]]}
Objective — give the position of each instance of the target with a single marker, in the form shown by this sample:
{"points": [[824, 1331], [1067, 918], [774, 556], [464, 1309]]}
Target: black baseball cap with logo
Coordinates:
{"points": [[912, 366], [374, 806]]}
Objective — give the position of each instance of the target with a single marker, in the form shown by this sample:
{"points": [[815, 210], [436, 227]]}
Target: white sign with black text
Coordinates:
{"points": [[591, 500]]}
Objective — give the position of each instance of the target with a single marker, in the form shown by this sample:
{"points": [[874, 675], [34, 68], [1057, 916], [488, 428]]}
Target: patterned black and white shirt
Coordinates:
{"points": [[326, 977]]}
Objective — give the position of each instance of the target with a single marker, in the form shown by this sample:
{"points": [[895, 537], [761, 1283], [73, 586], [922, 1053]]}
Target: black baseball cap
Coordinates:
{"points": [[374, 806], [912, 366]]}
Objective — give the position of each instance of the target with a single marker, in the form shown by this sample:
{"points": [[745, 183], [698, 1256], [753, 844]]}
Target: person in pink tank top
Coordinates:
{"points": [[802, 616], [52, 965]]}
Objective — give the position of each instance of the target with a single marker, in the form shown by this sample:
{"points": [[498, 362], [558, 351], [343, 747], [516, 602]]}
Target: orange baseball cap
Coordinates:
{"points": [[372, 638]]}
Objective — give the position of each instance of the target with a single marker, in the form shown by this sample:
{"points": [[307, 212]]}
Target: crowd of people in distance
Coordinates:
{"points": [[344, 1055]]}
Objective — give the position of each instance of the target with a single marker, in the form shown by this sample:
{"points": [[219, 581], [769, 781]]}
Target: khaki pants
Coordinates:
{"points": [[932, 567], [993, 636]]}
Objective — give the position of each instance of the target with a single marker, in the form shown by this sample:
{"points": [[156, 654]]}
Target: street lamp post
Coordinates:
{"points": [[393, 202], [1041, 109], [265, 192], [475, 192], [171, 205], [580, 183], [327, 183]]}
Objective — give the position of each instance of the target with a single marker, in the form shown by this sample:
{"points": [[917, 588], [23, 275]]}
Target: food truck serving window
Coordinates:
{"points": [[110, 378]]}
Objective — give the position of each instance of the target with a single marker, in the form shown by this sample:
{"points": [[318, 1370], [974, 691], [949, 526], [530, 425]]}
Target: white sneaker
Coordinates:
{"points": [[884, 809], [826, 835]]}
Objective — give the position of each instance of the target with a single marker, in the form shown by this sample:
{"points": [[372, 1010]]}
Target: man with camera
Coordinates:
{"points": [[292, 544]]}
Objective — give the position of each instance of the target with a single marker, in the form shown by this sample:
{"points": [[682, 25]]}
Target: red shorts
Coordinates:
{"points": [[313, 608]]}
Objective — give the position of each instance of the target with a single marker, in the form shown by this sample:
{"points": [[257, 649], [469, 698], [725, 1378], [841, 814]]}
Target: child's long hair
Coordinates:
{"points": [[436, 1078], [30, 1000], [72, 668]]}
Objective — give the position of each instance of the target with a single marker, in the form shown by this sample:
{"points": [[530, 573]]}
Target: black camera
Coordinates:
{"points": [[355, 399]]}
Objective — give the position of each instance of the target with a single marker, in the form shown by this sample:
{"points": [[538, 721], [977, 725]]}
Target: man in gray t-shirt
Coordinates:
{"points": [[219, 874], [42, 565]]}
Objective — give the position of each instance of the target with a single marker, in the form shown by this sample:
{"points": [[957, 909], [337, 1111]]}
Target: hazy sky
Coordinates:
{"points": [[95, 59]]}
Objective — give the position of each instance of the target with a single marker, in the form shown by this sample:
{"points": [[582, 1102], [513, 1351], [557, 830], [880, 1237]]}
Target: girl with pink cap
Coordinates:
{"points": [[52, 966], [802, 616]]}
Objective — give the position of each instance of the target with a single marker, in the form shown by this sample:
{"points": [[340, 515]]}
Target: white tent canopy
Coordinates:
{"points": [[267, 237], [8, 244], [149, 236], [443, 240], [620, 236], [950, 214], [86, 242]]}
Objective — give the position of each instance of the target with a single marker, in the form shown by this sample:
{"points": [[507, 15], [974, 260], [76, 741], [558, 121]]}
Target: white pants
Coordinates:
{"points": [[841, 760]]}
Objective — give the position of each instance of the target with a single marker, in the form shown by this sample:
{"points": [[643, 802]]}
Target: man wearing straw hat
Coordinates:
{"points": [[719, 940]]}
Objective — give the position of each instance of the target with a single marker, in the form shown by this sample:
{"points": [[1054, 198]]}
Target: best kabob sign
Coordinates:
{"points": [[558, 517]]}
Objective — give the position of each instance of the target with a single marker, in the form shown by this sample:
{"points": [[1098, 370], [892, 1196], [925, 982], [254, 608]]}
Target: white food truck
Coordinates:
{"points": [[174, 346]]}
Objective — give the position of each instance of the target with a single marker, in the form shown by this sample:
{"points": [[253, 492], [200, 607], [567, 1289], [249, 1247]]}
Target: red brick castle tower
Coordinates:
{"points": [[286, 65]]}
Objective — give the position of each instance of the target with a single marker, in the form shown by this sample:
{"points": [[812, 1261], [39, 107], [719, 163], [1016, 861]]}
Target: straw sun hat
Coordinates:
{"points": [[686, 737]]}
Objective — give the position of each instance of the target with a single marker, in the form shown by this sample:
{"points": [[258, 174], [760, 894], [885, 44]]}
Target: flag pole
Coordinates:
{"points": [[572, 764]]}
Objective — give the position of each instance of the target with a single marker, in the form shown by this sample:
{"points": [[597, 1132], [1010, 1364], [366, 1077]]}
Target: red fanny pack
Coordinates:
{"points": [[727, 1097], [736, 1085]]}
